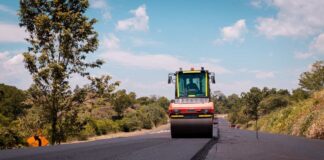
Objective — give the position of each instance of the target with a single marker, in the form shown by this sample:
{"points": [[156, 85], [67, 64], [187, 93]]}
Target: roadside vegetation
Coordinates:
{"points": [[61, 38], [99, 114], [304, 118], [300, 112]]}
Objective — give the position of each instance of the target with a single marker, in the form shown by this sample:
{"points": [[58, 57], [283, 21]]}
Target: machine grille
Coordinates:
{"points": [[191, 100]]}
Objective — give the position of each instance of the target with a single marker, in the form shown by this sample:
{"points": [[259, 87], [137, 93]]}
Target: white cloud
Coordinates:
{"points": [[264, 74], [106, 15], [157, 61], [233, 87], [3, 55], [303, 55], [111, 42], [315, 48], [12, 33], [239, 86], [318, 44], [138, 42], [11, 63], [154, 61], [232, 33], [13, 71], [259, 74], [102, 6], [114, 53], [15, 60], [137, 23], [98, 4], [77, 79], [256, 3], [294, 18], [6, 9], [149, 88]]}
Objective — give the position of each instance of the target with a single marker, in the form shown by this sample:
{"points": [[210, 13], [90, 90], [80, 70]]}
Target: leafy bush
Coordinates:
{"points": [[106, 126], [131, 122], [12, 101], [145, 117], [271, 103], [163, 102], [154, 115], [101, 127], [98, 127], [122, 101], [87, 131], [299, 94], [10, 137]]}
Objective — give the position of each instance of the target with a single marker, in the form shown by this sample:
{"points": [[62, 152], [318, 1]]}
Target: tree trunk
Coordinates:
{"points": [[54, 131], [256, 129], [54, 120]]}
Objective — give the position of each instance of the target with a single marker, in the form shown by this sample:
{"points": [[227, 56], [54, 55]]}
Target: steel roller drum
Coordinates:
{"points": [[192, 128]]}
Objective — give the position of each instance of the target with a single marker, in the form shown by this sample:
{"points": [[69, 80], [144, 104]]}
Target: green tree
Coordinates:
{"points": [[220, 102], [146, 100], [12, 106], [12, 101], [233, 113], [272, 102], [283, 92], [102, 86], [163, 102], [60, 38], [299, 94], [251, 100], [122, 101], [1, 95], [132, 95], [313, 80]]}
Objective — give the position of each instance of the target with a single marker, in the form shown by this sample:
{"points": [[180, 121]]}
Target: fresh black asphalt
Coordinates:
{"points": [[232, 144], [238, 144], [158, 146]]}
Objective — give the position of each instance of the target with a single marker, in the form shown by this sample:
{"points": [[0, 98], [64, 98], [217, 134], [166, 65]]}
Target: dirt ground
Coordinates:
{"points": [[159, 129]]}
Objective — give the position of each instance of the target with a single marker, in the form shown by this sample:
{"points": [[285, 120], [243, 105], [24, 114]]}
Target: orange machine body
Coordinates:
{"points": [[191, 109]]}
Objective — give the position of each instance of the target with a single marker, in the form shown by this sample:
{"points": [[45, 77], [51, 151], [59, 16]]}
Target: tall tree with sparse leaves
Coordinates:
{"points": [[252, 99], [102, 86], [60, 38], [313, 80]]}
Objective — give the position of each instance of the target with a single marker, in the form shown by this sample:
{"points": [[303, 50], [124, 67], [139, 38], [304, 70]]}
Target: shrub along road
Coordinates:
{"points": [[232, 144]]}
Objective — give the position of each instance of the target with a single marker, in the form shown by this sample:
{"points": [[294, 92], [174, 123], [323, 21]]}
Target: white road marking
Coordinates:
{"points": [[162, 131]]}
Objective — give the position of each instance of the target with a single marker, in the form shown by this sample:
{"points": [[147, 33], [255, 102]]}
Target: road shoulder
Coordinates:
{"points": [[159, 129]]}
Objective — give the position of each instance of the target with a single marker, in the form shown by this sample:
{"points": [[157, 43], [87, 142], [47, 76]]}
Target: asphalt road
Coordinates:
{"points": [[156, 146], [237, 144], [232, 144]]}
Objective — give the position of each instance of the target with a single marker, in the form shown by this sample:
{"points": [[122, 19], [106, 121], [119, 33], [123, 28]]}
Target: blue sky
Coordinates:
{"points": [[246, 43]]}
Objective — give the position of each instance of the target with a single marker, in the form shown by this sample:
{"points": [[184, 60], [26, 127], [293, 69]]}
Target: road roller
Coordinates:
{"points": [[191, 112]]}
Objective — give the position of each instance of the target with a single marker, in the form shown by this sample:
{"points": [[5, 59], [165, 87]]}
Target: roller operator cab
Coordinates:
{"points": [[191, 112]]}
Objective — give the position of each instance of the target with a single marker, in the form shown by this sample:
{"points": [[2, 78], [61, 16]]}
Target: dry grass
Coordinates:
{"points": [[304, 118]]}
